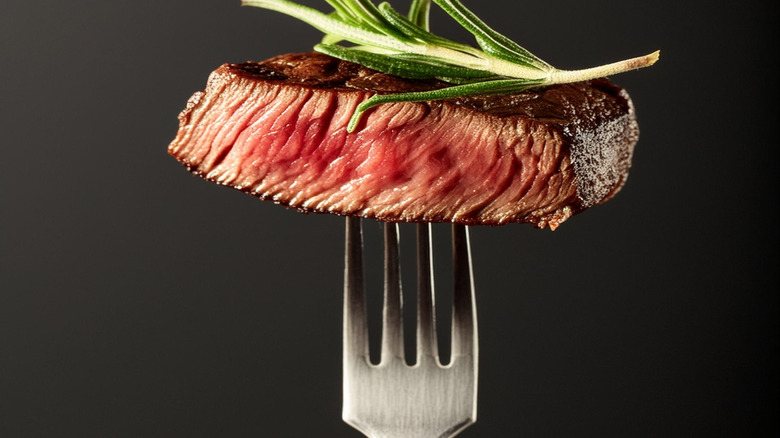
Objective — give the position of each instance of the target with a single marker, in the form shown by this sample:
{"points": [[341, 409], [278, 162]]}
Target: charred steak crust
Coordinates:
{"points": [[276, 130]]}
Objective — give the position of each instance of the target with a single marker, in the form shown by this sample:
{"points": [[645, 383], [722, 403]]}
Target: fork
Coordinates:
{"points": [[392, 399]]}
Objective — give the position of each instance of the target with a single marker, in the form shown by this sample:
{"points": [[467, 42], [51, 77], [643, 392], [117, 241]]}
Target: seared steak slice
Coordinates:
{"points": [[277, 130]]}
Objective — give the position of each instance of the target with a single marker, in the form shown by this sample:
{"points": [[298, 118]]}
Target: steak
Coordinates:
{"points": [[277, 130]]}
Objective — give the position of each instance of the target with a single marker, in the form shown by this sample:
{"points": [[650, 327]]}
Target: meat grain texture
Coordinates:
{"points": [[277, 130]]}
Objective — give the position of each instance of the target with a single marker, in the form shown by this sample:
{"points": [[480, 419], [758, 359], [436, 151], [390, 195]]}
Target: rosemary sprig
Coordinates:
{"points": [[392, 43]]}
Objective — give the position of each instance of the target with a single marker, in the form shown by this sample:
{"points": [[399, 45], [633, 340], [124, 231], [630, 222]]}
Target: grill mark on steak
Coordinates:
{"points": [[277, 130]]}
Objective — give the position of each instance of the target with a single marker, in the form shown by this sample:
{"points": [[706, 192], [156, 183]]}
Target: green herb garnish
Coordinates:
{"points": [[400, 45]]}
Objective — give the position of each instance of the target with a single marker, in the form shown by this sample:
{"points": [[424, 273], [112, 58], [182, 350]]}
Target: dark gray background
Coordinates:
{"points": [[139, 301]]}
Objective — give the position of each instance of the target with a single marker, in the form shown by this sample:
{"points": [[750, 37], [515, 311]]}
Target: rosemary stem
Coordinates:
{"points": [[485, 62], [567, 76]]}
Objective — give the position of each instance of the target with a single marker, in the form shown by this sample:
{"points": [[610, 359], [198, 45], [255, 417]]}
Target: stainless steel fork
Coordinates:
{"points": [[393, 399]]}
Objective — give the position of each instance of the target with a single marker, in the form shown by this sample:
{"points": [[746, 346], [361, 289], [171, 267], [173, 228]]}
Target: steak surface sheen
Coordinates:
{"points": [[277, 130]]}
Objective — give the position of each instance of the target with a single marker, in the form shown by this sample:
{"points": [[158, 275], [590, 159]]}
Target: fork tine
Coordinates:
{"points": [[392, 325], [464, 317], [426, 332], [355, 324]]}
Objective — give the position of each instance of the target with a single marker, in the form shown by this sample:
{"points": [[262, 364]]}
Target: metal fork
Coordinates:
{"points": [[393, 399]]}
